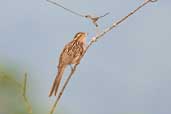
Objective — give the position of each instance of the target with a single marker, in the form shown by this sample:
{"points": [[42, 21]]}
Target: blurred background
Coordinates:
{"points": [[126, 72]]}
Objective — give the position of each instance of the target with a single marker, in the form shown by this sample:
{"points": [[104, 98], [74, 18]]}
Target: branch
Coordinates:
{"points": [[23, 87], [67, 9], [4, 75], [29, 107], [98, 36], [93, 19], [63, 88], [94, 39]]}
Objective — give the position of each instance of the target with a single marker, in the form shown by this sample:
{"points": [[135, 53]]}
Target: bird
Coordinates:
{"points": [[70, 55]]}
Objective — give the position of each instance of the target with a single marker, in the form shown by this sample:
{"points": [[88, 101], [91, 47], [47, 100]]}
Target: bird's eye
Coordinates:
{"points": [[77, 36]]}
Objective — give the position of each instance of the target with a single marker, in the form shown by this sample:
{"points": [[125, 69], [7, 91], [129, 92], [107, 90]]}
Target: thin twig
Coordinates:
{"points": [[24, 84], [93, 19], [4, 75], [69, 10], [104, 15], [29, 107], [94, 39], [23, 87], [63, 88]]}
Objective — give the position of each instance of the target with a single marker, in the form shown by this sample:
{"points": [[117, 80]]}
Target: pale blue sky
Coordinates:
{"points": [[127, 72]]}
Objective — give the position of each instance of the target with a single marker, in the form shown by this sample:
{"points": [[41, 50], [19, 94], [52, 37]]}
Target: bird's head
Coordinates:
{"points": [[80, 36]]}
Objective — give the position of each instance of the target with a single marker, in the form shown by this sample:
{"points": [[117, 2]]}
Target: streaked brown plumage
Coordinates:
{"points": [[71, 54]]}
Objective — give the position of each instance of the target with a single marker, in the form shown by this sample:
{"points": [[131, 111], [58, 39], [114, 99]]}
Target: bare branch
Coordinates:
{"points": [[23, 87], [96, 18], [69, 10], [4, 75], [24, 84], [94, 39], [93, 19], [63, 88], [29, 107]]}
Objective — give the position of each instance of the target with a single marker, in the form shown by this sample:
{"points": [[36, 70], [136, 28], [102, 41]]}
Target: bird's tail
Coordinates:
{"points": [[57, 81]]}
